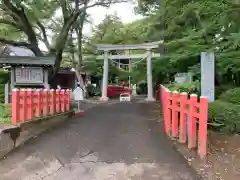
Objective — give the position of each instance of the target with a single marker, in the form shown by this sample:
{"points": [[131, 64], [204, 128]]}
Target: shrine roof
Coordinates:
{"points": [[27, 61], [22, 56]]}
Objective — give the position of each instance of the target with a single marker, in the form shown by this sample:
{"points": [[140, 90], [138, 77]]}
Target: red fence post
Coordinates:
{"points": [[192, 122], [183, 118], [202, 133], [23, 105], [52, 101], [175, 108], [45, 102], [57, 101], [67, 100], [38, 103], [62, 100], [168, 106], [164, 96], [30, 104], [15, 106]]}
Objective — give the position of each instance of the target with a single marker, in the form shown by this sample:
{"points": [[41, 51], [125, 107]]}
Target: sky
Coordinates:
{"points": [[124, 10]]}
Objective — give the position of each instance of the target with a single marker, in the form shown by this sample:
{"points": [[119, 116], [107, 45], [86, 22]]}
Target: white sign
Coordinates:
{"points": [[182, 78], [134, 89], [207, 75], [78, 94], [125, 97], [29, 75]]}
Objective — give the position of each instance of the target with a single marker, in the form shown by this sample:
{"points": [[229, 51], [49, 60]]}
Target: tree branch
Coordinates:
{"points": [[63, 5], [15, 43], [28, 29], [43, 30], [105, 3], [11, 23]]}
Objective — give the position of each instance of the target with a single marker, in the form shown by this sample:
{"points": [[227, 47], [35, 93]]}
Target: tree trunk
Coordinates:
{"points": [[60, 43]]}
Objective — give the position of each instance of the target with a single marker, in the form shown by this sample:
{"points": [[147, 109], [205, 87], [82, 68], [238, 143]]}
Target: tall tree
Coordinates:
{"points": [[189, 27], [31, 18]]}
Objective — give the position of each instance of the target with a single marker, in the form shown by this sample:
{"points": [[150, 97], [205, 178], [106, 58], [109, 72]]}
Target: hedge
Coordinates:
{"points": [[225, 115], [231, 96], [221, 89], [2, 86], [190, 88], [5, 113]]}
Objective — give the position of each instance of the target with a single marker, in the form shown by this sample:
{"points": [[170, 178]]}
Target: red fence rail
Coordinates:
{"points": [[186, 118], [28, 104]]}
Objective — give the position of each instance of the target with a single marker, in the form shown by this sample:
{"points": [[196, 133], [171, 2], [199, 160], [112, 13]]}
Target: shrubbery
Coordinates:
{"points": [[2, 86], [4, 76], [5, 113], [190, 88], [225, 116], [226, 111], [221, 89], [231, 96], [3, 80]]}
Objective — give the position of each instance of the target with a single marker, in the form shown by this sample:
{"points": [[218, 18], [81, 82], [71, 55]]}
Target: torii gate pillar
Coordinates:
{"points": [[105, 77], [149, 77]]}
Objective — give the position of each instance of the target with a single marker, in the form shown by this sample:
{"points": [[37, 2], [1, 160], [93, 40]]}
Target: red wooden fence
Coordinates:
{"points": [[186, 118], [28, 104]]}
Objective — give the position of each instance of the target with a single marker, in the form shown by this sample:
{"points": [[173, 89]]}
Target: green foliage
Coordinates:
{"points": [[4, 76], [5, 114], [231, 96], [225, 116], [191, 27], [2, 87], [221, 89], [190, 88]]}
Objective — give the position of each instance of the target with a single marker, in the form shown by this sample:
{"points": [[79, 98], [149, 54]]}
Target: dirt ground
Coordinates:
{"points": [[223, 159]]}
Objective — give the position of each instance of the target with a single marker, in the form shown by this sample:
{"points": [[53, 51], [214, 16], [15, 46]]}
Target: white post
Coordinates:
{"points": [[130, 70], [45, 80], [105, 78], [12, 78], [149, 77], [207, 75], [6, 93]]}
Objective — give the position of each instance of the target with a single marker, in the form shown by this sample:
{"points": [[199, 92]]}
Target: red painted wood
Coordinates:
{"points": [[168, 112], [192, 138], [30, 104], [57, 101], [174, 102], [62, 100], [38, 107], [175, 97], [202, 134], [15, 106], [183, 118], [52, 102], [23, 105]]}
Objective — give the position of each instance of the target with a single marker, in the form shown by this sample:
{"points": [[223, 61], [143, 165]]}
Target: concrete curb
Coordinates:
{"points": [[27, 131]]}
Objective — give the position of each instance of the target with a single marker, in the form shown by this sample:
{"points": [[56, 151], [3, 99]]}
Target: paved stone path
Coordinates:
{"points": [[112, 142]]}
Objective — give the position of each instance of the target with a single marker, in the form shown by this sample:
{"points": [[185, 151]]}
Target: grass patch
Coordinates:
{"points": [[5, 114]]}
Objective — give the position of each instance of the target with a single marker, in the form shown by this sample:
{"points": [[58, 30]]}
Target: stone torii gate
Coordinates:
{"points": [[148, 55]]}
